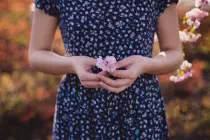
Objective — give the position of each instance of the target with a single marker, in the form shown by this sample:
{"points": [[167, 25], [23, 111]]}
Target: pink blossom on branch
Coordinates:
{"points": [[202, 3], [197, 13], [180, 78], [189, 36], [182, 73], [194, 16], [195, 23], [194, 37], [184, 37], [185, 65]]}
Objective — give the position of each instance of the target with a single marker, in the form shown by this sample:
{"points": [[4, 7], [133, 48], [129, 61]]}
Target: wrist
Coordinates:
{"points": [[147, 64], [70, 64]]}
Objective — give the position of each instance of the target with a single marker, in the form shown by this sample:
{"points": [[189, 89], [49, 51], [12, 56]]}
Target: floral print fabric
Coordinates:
{"points": [[118, 28]]}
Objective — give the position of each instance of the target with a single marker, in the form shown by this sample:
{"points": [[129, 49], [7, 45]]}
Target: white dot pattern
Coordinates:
{"points": [[119, 28]]}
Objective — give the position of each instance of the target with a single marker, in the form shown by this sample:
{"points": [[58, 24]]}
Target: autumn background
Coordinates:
{"points": [[27, 97]]}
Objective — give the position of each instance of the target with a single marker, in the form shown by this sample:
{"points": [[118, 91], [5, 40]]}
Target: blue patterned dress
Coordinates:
{"points": [[119, 28]]}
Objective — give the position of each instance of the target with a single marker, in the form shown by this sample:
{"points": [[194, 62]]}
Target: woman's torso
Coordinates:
{"points": [[108, 27]]}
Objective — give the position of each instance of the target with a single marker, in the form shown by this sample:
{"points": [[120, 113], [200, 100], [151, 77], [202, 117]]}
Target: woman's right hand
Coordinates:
{"points": [[82, 67]]}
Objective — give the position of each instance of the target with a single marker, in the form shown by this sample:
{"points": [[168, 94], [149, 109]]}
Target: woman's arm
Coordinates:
{"points": [[43, 59], [41, 56], [168, 35], [169, 42]]}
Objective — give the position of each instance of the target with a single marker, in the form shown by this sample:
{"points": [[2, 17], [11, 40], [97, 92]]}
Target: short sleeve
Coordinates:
{"points": [[47, 6], [163, 4]]}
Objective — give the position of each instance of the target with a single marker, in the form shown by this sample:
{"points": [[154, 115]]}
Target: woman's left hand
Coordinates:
{"points": [[134, 66]]}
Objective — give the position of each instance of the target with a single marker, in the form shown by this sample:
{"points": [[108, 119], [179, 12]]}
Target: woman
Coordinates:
{"points": [[90, 104]]}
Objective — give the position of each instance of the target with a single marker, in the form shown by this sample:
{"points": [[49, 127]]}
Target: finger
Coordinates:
{"points": [[91, 84], [115, 83], [90, 70], [92, 61], [104, 73], [89, 76], [125, 74], [123, 63], [112, 89]]}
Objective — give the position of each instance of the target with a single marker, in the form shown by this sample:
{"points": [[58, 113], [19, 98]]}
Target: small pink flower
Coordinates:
{"points": [[202, 3], [108, 64], [110, 59], [101, 63], [189, 36], [196, 14], [184, 37], [194, 37], [179, 78]]}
